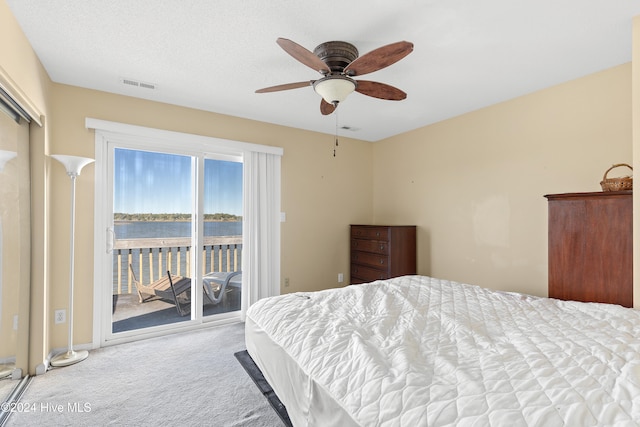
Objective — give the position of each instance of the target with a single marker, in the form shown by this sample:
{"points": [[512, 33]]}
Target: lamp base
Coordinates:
{"points": [[6, 370], [69, 358]]}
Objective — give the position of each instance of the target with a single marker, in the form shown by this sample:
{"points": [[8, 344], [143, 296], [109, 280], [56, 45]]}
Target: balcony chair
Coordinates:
{"points": [[217, 285], [167, 288]]}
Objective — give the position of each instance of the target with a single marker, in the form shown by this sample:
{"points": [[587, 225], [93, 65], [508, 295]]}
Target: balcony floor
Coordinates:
{"points": [[129, 314]]}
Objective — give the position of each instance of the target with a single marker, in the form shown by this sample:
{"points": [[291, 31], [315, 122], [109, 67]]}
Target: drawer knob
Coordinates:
{"points": [[377, 234], [381, 261]]}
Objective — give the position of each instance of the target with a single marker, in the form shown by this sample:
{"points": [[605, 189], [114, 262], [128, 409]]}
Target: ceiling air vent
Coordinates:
{"points": [[131, 82]]}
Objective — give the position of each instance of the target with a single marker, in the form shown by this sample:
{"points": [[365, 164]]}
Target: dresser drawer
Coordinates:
{"points": [[372, 233], [370, 246], [360, 274], [370, 259]]}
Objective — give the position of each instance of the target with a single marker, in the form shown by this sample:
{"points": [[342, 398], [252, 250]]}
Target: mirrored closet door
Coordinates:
{"points": [[15, 251]]}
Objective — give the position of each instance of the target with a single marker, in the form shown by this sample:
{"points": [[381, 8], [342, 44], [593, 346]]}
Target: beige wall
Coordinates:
{"points": [[474, 184], [321, 194], [20, 68]]}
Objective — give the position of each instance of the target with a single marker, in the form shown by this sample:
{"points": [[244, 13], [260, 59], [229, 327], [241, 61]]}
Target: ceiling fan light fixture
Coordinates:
{"points": [[334, 88]]}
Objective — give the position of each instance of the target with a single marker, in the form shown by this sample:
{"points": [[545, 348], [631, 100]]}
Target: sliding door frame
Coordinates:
{"points": [[110, 134]]}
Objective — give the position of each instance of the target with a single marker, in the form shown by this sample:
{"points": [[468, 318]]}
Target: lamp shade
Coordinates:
{"points": [[73, 164], [5, 156], [334, 88]]}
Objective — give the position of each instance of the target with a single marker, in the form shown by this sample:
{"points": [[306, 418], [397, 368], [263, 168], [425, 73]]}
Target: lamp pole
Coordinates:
{"points": [[73, 166]]}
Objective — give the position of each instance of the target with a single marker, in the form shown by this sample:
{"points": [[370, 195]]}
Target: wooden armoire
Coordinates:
{"points": [[591, 247]]}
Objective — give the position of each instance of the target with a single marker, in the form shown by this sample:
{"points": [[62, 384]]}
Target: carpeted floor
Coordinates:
{"points": [[189, 379]]}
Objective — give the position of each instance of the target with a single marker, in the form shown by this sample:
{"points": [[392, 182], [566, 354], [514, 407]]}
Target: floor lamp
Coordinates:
{"points": [[74, 165]]}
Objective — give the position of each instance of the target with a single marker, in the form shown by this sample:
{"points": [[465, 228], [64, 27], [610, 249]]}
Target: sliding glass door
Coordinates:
{"points": [[176, 238], [222, 228], [152, 223], [217, 204]]}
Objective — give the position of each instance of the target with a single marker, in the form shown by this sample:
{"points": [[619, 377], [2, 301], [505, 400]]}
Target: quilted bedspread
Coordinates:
{"points": [[418, 351]]}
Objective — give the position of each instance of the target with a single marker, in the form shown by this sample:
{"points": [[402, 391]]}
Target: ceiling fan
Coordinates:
{"points": [[339, 62]]}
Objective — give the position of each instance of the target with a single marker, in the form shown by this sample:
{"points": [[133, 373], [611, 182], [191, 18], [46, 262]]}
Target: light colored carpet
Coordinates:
{"points": [[187, 379]]}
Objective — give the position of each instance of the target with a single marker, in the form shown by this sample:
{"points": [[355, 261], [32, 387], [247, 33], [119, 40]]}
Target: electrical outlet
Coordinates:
{"points": [[60, 316], [15, 322], [286, 282], [340, 277]]}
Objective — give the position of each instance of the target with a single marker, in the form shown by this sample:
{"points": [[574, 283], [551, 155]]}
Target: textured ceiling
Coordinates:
{"points": [[212, 55]]}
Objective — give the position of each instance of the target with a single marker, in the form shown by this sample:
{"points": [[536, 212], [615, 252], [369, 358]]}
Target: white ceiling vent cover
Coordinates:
{"points": [[136, 83]]}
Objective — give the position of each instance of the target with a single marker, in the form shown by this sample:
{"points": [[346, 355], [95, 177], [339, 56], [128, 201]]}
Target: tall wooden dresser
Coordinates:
{"points": [[382, 252], [591, 247]]}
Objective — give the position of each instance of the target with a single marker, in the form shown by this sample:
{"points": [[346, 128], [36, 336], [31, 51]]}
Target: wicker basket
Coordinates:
{"points": [[617, 184]]}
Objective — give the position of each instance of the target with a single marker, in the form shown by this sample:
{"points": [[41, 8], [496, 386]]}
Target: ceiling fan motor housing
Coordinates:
{"points": [[336, 54]]}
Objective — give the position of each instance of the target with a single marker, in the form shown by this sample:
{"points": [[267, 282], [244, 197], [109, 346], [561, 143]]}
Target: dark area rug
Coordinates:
{"points": [[256, 375]]}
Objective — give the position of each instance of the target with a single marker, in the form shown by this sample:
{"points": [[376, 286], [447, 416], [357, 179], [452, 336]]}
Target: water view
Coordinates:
{"points": [[164, 229]]}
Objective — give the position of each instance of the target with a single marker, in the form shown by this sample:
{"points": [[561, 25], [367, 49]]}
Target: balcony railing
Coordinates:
{"points": [[152, 257]]}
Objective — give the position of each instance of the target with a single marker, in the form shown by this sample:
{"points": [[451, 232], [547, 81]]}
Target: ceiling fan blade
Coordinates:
{"points": [[379, 58], [326, 108], [380, 90], [285, 86], [303, 55]]}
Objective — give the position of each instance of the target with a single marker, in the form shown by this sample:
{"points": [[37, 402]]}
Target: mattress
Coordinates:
{"points": [[418, 351]]}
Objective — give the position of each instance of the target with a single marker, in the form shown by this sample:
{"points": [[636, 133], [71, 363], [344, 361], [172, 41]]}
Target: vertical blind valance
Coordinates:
{"points": [[191, 142]]}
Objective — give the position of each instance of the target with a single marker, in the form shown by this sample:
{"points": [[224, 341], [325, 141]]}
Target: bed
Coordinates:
{"points": [[418, 351]]}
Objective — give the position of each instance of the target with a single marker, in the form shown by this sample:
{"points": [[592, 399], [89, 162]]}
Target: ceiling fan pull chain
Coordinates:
{"points": [[334, 148]]}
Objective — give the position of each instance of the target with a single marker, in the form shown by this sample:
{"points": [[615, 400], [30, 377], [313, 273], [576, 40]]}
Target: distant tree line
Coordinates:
{"points": [[173, 217]]}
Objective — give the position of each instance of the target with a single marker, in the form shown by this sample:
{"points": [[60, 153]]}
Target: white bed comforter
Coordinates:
{"points": [[417, 351]]}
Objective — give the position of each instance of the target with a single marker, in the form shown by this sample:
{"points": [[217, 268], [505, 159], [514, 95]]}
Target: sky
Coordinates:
{"points": [[148, 182]]}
